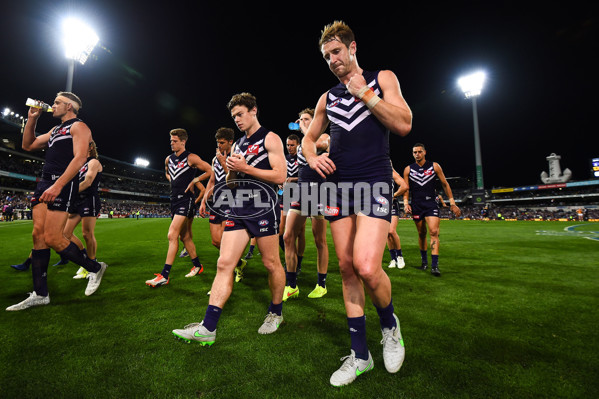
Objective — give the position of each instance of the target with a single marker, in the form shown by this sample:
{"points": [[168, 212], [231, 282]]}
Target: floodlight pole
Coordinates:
{"points": [[479, 163], [70, 73]]}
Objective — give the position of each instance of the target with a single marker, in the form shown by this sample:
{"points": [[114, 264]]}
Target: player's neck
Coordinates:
{"points": [[421, 162], [181, 151], [67, 117], [355, 70], [253, 129]]}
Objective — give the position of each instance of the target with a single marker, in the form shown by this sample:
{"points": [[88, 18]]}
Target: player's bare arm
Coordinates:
{"points": [[30, 141], [401, 184], [196, 162], [322, 164], [93, 167], [168, 177], [406, 195], [391, 110], [452, 206]]}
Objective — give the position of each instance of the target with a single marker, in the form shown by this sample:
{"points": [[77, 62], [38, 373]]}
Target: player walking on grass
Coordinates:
{"points": [[308, 179], [362, 109], [214, 202], [66, 152], [393, 242], [180, 169], [421, 178], [256, 166], [292, 144], [87, 208]]}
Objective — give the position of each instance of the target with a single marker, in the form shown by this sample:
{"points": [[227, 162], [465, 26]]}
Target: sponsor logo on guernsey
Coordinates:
{"points": [[253, 149]]}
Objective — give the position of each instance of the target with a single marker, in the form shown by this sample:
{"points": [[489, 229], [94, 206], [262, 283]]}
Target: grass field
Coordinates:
{"points": [[515, 315]]}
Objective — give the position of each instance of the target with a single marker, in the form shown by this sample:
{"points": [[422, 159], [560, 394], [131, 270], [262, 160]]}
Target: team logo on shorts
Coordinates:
{"points": [[229, 223], [382, 200], [263, 222], [212, 217]]}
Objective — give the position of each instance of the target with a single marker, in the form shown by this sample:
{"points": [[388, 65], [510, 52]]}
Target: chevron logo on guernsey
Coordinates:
{"points": [[349, 112]]}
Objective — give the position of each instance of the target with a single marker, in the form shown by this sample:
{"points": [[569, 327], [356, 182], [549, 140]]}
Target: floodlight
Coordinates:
{"points": [[144, 163], [79, 40], [472, 84], [6, 111]]}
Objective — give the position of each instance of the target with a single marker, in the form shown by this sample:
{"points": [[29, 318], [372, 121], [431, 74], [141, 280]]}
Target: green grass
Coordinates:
{"points": [[515, 315]]}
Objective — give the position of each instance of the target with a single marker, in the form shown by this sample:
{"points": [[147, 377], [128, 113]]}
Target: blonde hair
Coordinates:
{"points": [[73, 97], [93, 150], [338, 30]]}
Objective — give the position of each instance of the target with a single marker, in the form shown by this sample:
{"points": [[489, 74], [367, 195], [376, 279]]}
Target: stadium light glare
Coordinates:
{"points": [[472, 86], [144, 163], [79, 42], [6, 111]]}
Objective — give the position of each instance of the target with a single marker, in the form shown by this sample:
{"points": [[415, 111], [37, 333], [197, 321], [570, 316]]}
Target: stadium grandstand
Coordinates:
{"points": [[127, 188]]}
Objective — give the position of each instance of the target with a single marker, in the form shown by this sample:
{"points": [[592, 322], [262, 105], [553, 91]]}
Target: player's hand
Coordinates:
{"points": [[456, 211], [190, 187], [236, 163], [220, 156], [322, 164], [303, 124], [407, 209], [34, 113], [50, 194], [355, 84]]}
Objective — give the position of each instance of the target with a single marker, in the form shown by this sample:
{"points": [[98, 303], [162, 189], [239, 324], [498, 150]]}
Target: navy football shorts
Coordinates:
{"points": [[65, 200]]}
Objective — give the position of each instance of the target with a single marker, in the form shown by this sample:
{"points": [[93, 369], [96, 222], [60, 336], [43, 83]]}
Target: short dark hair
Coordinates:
{"points": [[293, 137], [225, 133], [245, 99], [73, 97], [180, 133], [419, 145]]}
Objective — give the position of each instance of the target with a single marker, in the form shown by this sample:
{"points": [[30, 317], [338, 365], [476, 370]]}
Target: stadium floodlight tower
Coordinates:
{"points": [[472, 86], [79, 42]]}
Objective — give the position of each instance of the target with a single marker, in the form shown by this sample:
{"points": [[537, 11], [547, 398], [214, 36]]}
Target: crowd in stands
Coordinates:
{"points": [[576, 203]]}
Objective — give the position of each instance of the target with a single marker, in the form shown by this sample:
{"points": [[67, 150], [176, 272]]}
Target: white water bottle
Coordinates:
{"points": [[38, 104]]}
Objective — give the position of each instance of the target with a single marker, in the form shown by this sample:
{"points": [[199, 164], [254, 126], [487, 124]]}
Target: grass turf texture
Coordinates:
{"points": [[514, 315]]}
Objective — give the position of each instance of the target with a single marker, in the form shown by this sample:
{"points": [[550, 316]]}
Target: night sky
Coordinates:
{"points": [[176, 64]]}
